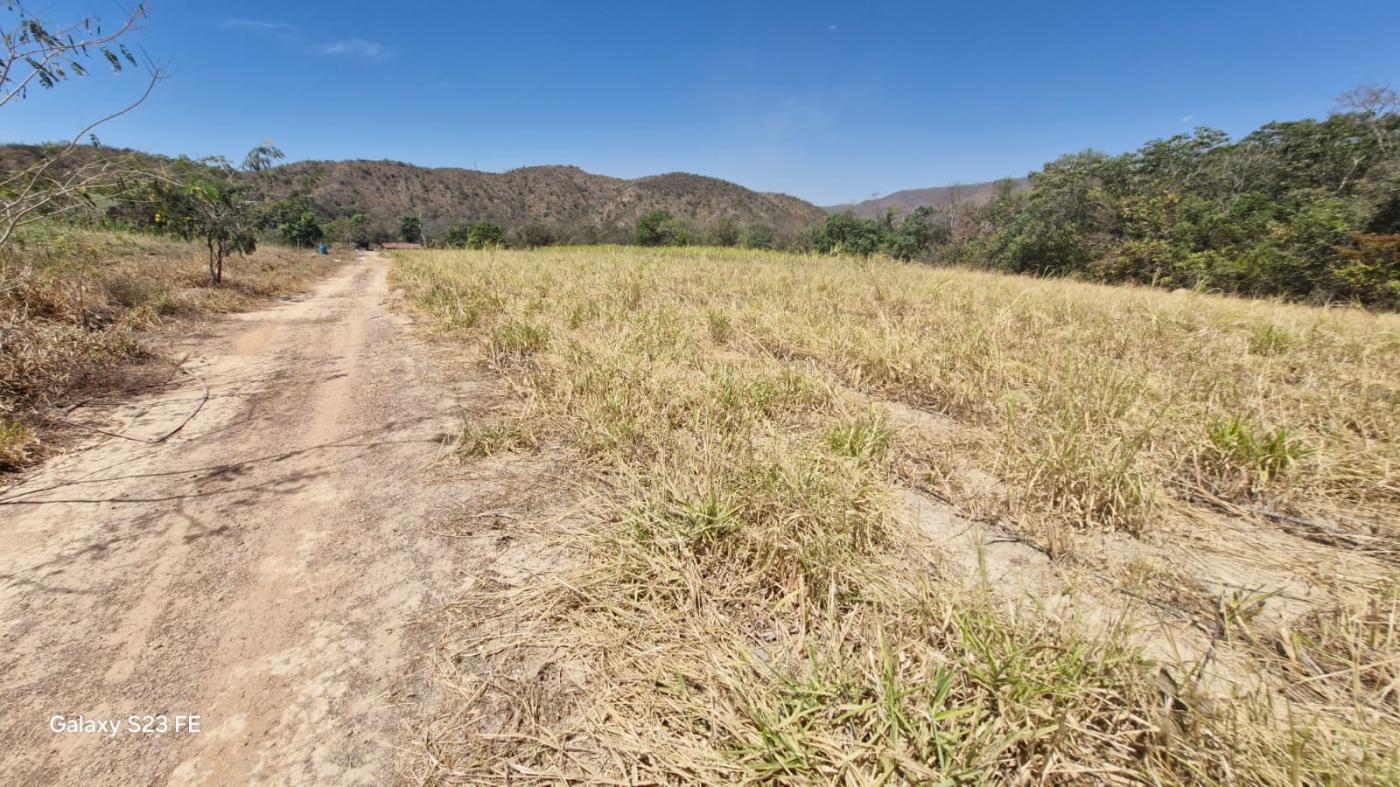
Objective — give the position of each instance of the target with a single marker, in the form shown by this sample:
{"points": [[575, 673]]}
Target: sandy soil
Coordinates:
{"points": [[268, 568]]}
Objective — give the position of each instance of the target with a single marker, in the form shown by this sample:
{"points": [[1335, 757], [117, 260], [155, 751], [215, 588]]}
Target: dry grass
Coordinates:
{"points": [[751, 605], [74, 305]]}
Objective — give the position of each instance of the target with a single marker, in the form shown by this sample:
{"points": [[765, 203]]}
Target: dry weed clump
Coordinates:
{"points": [[748, 608], [72, 304]]}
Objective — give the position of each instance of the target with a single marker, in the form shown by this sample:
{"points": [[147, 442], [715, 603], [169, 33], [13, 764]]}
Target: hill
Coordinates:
{"points": [[575, 204], [964, 194]]}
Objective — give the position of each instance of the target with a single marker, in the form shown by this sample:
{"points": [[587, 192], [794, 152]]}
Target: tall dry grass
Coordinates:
{"points": [[74, 305], [747, 608]]}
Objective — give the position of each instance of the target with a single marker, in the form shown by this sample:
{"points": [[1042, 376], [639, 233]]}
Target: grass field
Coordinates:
{"points": [[74, 305], [752, 601]]}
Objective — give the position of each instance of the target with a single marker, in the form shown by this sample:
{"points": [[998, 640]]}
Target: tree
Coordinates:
{"points": [[35, 51], [532, 235], [485, 234], [1300, 208], [1373, 103], [303, 232], [205, 201], [359, 230], [724, 232], [352, 229], [411, 229], [918, 232], [649, 228], [294, 221], [262, 157], [757, 236], [457, 234], [844, 233], [1369, 271], [210, 209], [676, 232]]}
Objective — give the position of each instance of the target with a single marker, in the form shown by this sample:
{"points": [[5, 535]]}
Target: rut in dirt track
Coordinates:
{"points": [[263, 569]]}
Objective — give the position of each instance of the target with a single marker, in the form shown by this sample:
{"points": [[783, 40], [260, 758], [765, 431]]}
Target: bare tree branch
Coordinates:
{"points": [[34, 50], [29, 52]]}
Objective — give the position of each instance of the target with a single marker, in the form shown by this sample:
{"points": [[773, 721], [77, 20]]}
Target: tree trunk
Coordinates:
{"points": [[213, 277]]}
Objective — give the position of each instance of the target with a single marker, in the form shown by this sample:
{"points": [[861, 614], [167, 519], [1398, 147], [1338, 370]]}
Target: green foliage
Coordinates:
{"points": [[866, 437], [724, 232], [660, 228], [44, 53], [486, 235], [917, 233], [677, 232], [17, 443], [304, 231], [203, 201], [457, 234], [262, 157], [1252, 449], [649, 228], [47, 52], [411, 229], [906, 239], [843, 233], [353, 229], [1300, 209], [1368, 270], [720, 324], [1269, 339], [757, 236], [493, 437], [294, 221]]}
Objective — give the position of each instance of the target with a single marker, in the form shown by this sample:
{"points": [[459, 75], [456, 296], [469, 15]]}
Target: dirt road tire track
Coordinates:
{"points": [[266, 568]]}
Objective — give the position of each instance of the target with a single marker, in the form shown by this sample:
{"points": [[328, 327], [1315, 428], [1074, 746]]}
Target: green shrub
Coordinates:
{"points": [[486, 235], [757, 236], [649, 228]]}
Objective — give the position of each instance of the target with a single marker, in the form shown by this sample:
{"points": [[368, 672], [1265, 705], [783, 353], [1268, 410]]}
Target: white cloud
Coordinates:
{"points": [[356, 47], [1187, 119], [292, 35], [259, 26]]}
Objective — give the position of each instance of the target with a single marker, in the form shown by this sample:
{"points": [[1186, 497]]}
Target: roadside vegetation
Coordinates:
{"points": [[750, 600], [95, 245], [76, 306]]}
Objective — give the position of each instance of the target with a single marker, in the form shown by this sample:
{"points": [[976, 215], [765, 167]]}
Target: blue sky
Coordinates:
{"points": [[827, 101]]}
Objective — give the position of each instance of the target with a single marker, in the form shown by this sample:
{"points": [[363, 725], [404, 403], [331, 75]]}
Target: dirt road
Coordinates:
{"points": [[263, 569]]}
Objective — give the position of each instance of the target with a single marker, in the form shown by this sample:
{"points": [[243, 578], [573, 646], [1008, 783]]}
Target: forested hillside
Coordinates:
{"points": [[1306, 209], [557, 203], [571, 205]]}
